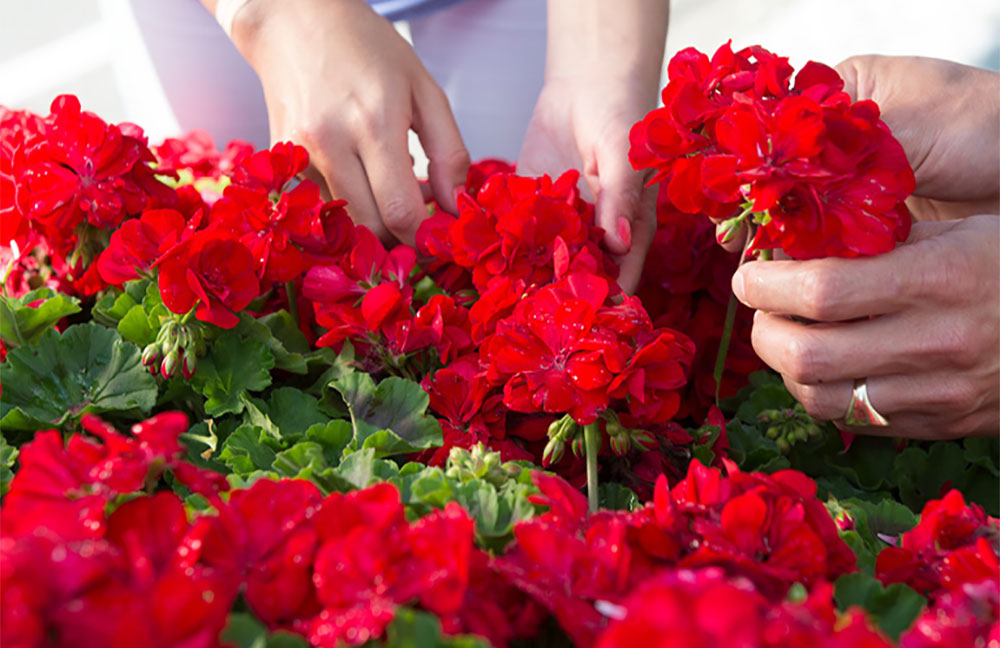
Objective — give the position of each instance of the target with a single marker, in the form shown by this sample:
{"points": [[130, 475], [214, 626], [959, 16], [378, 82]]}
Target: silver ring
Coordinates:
{"points": [[860, 411]]}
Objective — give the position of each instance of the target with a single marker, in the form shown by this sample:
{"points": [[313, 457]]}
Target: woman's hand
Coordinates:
{"points": [[921, 323], [339, 80], [602, 76]]}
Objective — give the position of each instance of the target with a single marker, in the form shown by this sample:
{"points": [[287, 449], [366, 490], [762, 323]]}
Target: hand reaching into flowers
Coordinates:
{"points": [[920, 322], [602, 71], [339, 80]]}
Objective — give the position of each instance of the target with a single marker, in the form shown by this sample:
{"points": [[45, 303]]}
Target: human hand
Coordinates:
{"points": [[947, 118], [339, 80], [584, 124], [922, 323], [602, 72]]}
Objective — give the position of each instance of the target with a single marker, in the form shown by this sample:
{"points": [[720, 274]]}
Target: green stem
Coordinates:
{"points": [[592, 446], [293, 306], [187, 316], [727, 335], [727, 329]]}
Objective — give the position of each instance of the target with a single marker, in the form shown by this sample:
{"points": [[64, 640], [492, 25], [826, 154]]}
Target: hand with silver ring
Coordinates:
{"points": [[921, 322], [860, 411]]}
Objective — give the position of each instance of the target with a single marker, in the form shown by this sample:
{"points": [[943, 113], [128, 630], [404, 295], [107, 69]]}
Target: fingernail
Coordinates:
{"points": [[625, 232], [739, 286], [459, 190]]}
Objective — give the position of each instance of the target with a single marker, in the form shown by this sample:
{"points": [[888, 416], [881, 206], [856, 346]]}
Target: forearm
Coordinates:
{"points": [[600, 38]]}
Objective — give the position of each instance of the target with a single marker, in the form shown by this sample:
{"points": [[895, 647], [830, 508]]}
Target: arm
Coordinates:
{"points": [[602, 75]]}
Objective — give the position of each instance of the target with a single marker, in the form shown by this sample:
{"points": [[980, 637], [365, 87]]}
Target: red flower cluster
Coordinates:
{"points": [[333, 569], [824, 175], [66, 179], [768, 529], [965, 616], [702, 609], [71, 575], [218, 259], [685, 285], [955, 544]]}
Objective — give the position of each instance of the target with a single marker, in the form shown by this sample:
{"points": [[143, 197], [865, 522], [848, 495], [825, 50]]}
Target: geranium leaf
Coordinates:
{"points": [[924, 473], [614, 496], [284, 358], [417, 629], [293, 411], [232, 367], [893, 608], [390, 418], [113, 306], [21, 324], [89, 368], [244, 452], [8, 455], [332, 436], [136, 328]]}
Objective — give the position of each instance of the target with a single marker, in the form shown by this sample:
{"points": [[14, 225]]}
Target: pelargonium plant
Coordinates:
{"points": [[335, 442]]}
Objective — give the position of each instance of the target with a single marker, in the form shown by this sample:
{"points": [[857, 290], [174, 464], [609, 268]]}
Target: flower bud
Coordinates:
{"points": [[553, 452], [169, 365], [190, 364], [151, 355]]}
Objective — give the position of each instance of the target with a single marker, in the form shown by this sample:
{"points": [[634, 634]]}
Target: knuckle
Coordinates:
{"points": [[366, 117], [819, 294], [815, 400], [960, 396], [397, 214], [314, 134], [453, 158], [955, 343], [802, 360]]}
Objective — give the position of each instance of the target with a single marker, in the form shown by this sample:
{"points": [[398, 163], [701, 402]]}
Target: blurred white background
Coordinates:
{"points": [[90, 48]]}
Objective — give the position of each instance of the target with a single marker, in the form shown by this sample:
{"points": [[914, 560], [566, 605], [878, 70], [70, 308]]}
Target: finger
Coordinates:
{"points": [[916, 406], [619, 196], [347, 181], [387, 166], [828, 352], [644, 228], [828, 289], [448, 159], [314, 175]]}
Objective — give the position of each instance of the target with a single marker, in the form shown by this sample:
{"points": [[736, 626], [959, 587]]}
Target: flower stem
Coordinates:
{"points": [[727, 329], [293, 305], [592, 445], [187, 316]]}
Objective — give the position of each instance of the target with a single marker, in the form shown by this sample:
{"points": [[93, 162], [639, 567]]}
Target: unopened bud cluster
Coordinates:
{"points": [[479, 462], [177, 346], [788, 426]]}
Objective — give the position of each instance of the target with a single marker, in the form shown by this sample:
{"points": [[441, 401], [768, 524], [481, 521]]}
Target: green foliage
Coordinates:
{"points": [[232, 368], [873, 468], [417, 629], [8, 455], [390, 418], [89, 368], [616, 497], [872, 523], [243, 630], [22, 325], [893, 608]]}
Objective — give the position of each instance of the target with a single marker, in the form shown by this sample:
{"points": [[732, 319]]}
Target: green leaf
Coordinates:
{"points": [[293, 411], [360, 469], [417, 629], [136, 328], [232, 367], [922, 474], [21, 324], [389, 418], [244, 452], [243, 630], [616, 497], [110, 308], [8, 455], [88, 368], [893, 608], [333, 437], [292, 361]]}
